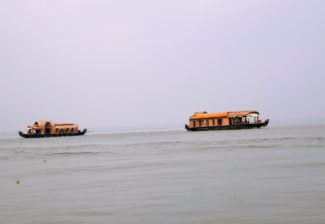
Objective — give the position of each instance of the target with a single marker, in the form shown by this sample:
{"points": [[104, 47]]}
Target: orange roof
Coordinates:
{"points": [[204, 114], [64, 124], [201, 115]]}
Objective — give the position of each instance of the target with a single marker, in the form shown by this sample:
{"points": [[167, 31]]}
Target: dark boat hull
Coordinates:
{"points": [[52, 135], [229, 127]]}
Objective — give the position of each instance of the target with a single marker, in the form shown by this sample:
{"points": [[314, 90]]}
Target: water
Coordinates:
{"points": [[271, 175]]}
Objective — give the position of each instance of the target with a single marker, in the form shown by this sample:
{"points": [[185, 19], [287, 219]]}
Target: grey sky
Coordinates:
{"points": [[127, 62]]}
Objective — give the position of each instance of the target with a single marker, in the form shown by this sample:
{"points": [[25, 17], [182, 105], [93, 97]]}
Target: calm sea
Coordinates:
{"points": [[271, 175]]}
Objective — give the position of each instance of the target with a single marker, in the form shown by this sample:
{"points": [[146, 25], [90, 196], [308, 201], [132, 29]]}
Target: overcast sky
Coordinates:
{"points": [[143, 62]]}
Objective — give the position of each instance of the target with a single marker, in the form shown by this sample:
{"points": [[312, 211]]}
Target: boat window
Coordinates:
{"points": [[219, 121], [72, 130], [213, 122], [207, 122], [201, 122], [47, 128]]}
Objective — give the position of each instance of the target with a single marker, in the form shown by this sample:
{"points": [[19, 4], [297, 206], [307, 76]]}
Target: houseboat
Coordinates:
{"points": [[51, 129], [203, 121]]}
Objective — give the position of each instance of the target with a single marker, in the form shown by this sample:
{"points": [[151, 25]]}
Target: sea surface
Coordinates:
{"points": [[270, 175]]}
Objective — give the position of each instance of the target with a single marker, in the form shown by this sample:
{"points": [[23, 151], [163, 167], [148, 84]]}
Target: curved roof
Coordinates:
{"points": [[202, 115], [41, 124]]}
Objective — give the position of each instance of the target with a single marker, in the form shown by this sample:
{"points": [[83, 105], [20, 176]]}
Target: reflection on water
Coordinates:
{"points": [[271, 175]]}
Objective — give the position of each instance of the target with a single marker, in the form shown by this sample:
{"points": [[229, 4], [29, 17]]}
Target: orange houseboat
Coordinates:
{"points": [[51, 129], [202, 121]]}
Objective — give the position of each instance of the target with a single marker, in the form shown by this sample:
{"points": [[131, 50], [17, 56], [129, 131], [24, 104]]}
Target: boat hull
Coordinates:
{"points": [[229, 127], [52, 135]]}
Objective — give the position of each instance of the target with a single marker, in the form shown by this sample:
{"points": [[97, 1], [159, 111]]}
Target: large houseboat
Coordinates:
{"points": [[51, 129], [202, 121]]}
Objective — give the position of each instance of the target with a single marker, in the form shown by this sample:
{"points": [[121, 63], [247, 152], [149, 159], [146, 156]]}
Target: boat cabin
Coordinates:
{"points": [[224, 120]]}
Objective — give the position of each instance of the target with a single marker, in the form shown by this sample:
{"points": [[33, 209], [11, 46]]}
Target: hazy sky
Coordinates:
{"points": [[143, 62]]}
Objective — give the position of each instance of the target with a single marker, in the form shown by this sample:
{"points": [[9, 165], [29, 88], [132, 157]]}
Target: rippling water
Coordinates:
{"points": [[271, 175]]}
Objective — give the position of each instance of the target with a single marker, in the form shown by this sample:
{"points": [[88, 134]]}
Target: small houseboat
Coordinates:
{"points": [[202, 121], [51, 129]]}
